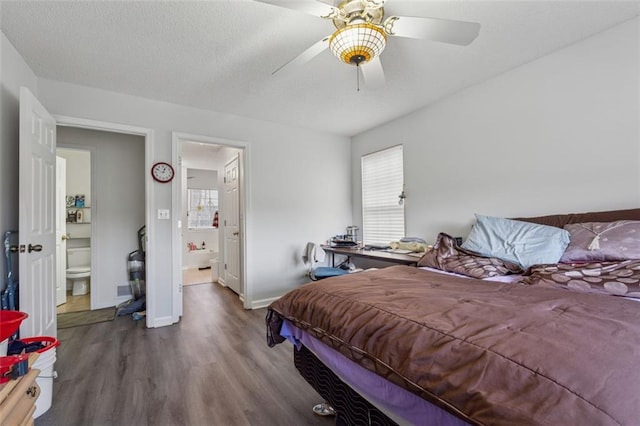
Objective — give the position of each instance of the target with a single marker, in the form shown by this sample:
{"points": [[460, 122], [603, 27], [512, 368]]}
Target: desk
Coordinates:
{"points": [[380, 255]]}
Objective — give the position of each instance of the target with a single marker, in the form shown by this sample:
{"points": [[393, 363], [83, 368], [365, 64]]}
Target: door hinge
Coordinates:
{"points": [[225, 179], [225, 266]]}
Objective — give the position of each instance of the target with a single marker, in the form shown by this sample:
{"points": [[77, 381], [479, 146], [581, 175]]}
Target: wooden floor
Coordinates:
{"points": [[213, 368], [75, 303], [196, 276]]}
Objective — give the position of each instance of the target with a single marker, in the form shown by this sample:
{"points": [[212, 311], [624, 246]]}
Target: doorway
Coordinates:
{"points": [[195, 155], [200, 214], [103, 169]]}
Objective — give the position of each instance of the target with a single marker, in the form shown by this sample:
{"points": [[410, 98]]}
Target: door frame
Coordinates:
{"points": [[245, 213], [148, 134], [61, 225]]}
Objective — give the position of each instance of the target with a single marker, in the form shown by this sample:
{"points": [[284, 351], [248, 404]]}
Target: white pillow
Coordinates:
{"points": [[515, 241]]}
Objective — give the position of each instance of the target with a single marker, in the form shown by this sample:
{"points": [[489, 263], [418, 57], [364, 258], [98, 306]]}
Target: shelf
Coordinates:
{"points": [[79, 215]]}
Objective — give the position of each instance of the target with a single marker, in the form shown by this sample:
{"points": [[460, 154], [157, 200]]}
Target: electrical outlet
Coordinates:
{"points": [[163, 214]]}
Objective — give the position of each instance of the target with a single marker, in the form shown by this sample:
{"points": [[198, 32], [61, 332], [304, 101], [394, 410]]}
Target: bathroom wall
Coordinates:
{"points": [[78, 182]]}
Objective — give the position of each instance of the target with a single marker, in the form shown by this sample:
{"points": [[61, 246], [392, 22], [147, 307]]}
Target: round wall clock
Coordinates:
{"points": [[162, 172]]}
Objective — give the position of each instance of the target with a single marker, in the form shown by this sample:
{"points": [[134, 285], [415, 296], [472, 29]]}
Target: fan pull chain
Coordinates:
{"points": [[358, 76]]}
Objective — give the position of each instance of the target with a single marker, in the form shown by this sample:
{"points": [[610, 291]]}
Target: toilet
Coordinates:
{"points": [[79, 269]]}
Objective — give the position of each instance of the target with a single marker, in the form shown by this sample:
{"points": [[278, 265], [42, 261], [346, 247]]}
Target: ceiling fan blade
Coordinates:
{"points": [[373, 73], [307, 6], [308, 54], [442, 30]]}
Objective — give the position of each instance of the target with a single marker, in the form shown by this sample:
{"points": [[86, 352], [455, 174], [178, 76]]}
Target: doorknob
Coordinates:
{"points": [[37, 247], [65, 237], [236, 233]]}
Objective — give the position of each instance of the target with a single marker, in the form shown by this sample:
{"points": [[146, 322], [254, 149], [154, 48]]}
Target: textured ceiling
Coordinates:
{"points": [[219, 55]]}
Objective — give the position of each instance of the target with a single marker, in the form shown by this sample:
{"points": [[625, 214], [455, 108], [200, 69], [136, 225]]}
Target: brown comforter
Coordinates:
{"points": [[490, 353]]}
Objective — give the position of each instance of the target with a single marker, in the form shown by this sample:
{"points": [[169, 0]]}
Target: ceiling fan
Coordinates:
{"points": [[362, 30]]}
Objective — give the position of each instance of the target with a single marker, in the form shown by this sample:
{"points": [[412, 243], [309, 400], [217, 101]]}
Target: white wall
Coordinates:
{"points": [[298, 189], [117, 206], [78, 172], [557, 135], [14, 72], [78, 181]]}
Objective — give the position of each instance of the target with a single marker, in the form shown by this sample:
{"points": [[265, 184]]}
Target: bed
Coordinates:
{"points": [[474, 338]]}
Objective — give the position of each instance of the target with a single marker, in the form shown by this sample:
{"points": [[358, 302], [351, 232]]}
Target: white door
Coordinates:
{"points": [[61, 231], [37, 233], [232, 226]]}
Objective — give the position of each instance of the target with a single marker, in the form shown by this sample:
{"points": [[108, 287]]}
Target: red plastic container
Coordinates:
{"points": [[10, 322], [6, 362], [49, 342]]}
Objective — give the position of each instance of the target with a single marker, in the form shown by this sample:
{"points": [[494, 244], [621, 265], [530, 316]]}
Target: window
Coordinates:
{"points": [[382, 184], [202, 206]]}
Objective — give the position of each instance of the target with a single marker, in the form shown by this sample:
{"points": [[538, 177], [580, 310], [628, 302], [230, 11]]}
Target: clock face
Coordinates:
{"points": [[162, 172]]}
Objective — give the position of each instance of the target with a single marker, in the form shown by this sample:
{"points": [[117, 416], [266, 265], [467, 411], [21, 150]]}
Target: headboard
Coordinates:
{"points": [[560, 220]]}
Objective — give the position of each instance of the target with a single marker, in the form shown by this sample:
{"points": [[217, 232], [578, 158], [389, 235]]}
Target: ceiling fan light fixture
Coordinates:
{"points": [[357, 44]]}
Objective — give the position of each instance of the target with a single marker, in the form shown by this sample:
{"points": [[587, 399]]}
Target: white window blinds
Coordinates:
{"points": [[382, 183]]}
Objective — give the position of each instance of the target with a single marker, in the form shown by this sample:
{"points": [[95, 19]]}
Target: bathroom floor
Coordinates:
{"points": [[75, 303], [196, 276]]}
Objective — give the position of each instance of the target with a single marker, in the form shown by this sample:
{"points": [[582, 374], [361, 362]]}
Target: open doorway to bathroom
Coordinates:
{"points": [[209, 194], [105, 172], [200, 214]]}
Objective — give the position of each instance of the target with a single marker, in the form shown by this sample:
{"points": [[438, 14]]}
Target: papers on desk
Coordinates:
{"points": [[399, 251], [407, 252]]}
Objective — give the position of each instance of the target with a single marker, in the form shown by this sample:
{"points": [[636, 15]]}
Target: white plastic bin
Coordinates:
{"points": [[3, 347], [44, 363]]}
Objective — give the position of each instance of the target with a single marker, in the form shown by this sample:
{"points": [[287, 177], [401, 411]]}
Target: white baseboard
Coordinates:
{"points": [[122, 299], [162, 322], [263, 303]]}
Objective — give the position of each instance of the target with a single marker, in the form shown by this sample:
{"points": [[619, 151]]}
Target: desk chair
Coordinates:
{"points": [[314, 254]]}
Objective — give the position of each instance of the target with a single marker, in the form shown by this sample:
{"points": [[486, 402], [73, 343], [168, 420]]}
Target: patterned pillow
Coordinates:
{"points": [[447, 256], [603, 241], [609, 278]]}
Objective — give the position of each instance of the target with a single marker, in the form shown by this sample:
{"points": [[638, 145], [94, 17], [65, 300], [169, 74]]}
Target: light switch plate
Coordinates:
{"points": [[163, 214]]}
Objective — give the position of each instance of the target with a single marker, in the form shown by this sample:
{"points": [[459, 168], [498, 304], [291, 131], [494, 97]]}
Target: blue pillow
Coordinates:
{"points": [[523, 243]]}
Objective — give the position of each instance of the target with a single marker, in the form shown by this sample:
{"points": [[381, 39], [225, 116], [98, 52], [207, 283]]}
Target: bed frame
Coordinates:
{"points": [[351, 408]]}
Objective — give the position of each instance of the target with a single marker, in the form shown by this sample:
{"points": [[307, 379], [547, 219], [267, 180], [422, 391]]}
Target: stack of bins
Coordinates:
{"points": [[44, 363], [45, 346]]}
